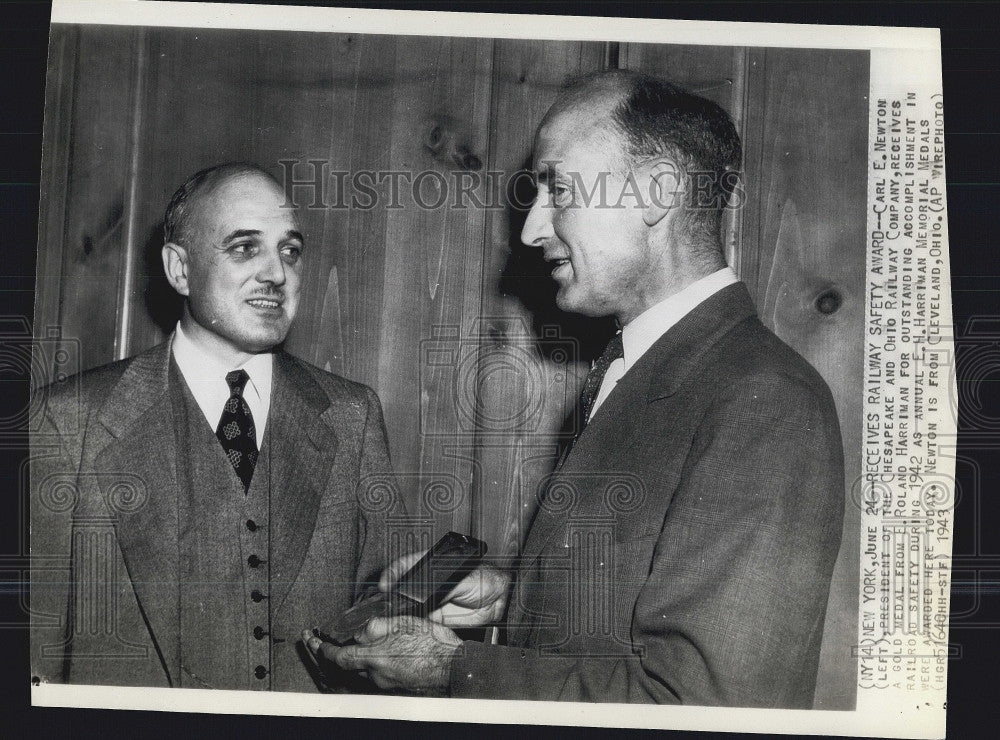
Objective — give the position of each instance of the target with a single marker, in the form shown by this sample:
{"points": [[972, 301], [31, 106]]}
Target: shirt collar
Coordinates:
{"points": [[200, 366], [643, 331]]}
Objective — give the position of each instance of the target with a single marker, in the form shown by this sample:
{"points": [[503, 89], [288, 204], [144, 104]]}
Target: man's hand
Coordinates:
{"points": [[478, 600], [395, 653]]}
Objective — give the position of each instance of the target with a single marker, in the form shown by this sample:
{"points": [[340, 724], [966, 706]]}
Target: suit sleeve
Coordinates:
{"points": [[50, 498], [732, 608], [378, 495]]}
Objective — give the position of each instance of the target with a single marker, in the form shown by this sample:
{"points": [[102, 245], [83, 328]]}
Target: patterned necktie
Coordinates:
{"points": [[592, 386], [236, 430]]}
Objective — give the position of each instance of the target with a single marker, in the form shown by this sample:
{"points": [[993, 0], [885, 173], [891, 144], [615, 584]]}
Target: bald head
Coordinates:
{"points": [[600, 92], [645, 118], [654, 117], [180, 221], [585, 110]]}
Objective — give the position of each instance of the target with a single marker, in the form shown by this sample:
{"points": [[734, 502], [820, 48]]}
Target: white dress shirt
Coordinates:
{"points": [[205, 375], [645, 329]]}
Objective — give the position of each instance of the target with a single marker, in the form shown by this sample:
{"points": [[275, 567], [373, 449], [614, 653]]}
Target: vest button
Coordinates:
{"points": [[260, 672], [252, 525], [259, 633], [254, 562], [257, 596]]}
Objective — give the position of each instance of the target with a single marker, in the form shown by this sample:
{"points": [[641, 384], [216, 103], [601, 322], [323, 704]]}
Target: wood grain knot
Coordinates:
{"points": [[435, 138], [829, 301], [467, 160], [443, 141]]}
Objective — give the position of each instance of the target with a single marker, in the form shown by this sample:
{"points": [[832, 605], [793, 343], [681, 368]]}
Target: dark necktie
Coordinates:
{"points": [[236, 430], [592, 386]]}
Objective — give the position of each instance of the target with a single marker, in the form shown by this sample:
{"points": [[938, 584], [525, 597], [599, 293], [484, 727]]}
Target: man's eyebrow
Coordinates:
{"points": [[240, 233]]}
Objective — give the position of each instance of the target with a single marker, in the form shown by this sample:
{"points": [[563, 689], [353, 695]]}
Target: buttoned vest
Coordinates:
{"points": [[224, 545]]}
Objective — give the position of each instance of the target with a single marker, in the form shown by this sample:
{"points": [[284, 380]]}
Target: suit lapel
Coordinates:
{"points": [[303, 446], [680, 351], [595, 454], [142, 454], [658, 374]]}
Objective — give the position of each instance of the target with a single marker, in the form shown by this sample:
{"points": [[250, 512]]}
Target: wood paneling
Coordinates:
{"points": [[342, 89], [86, 180], [804, 258], [714, 72], [433, 264], [59, 98], [532, 358]]}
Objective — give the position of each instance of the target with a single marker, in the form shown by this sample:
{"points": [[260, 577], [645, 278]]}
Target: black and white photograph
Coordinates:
{"points": [[385, 358]]}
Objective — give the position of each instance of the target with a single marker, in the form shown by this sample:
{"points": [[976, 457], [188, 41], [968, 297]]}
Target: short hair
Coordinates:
{"points": [[178, 214], [656, 118]]}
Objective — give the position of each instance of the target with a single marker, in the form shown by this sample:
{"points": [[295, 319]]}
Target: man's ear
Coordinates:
{"points": [[175, 265], [666, 190]]}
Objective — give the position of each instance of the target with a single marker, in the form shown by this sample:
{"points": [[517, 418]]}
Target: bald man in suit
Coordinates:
{"points": [[194, 504], [683, 549]]}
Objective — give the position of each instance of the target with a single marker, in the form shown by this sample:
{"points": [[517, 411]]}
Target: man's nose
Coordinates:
{"points": [[538, 228], [272, 269]]}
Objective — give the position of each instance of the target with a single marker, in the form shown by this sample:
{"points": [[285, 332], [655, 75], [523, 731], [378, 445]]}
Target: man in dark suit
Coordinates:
{"points": [[683, 549], [194, 504]]}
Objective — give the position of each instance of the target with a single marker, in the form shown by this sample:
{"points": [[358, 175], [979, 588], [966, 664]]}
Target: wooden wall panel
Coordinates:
{"points": [[714, 72], [533, 357], [87, 178], [321, 103], [329, 114], [804, 260], [59, 99], [433, 266]]}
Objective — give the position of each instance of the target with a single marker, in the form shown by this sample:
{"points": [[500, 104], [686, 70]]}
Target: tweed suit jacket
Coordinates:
{"points": [[104, 519], [683, 551]]}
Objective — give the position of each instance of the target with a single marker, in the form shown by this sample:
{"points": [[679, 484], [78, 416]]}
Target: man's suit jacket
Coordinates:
{"points": [[104, 519], [683, 552]]}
